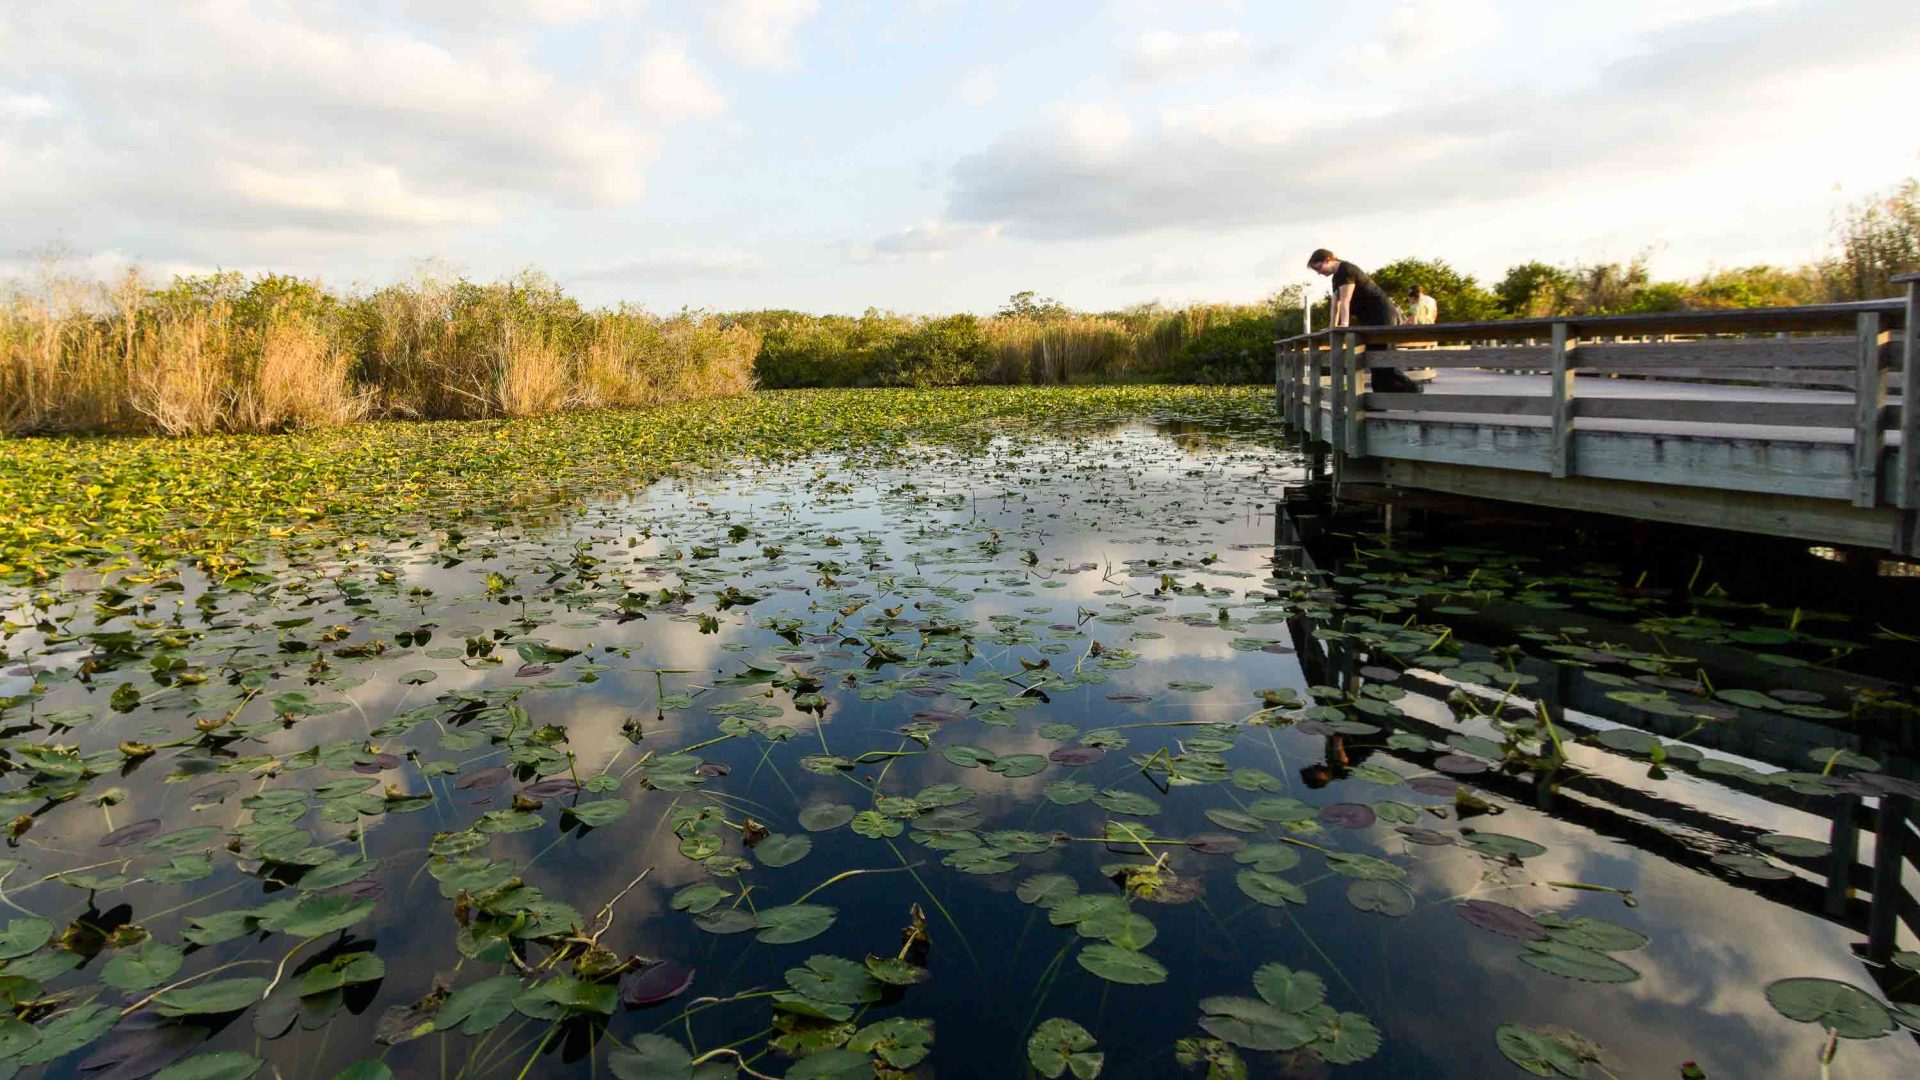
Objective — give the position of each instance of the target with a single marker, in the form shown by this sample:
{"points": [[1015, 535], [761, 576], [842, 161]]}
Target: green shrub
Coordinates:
{"points": [[940, 352], [1234, 351]]}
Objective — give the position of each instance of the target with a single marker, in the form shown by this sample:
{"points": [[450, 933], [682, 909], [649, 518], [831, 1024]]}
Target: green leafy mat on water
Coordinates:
{"points": [[84, 500]]}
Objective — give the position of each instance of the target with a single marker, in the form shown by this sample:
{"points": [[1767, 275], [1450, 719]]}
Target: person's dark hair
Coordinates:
{"points": [[1321, 255]]}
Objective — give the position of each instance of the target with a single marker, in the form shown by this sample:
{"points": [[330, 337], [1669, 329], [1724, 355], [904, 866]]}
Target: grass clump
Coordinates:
{"points": [[274, 353]]}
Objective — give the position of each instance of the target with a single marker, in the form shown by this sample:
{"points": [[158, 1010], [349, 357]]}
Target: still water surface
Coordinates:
{"points": [[1082, 656]]}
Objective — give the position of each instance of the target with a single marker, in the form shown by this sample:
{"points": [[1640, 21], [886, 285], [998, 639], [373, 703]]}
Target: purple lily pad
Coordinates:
{"points": [[133, 1051], [1379, 674], [1214, 843], [1502, 919], [794, 657], [131, 834], [528, 671], [1435, 785], [1127, 698], [1459, 764], [1277, 650], [713, 768], [1797, 697], [1349, 815], [380, 763], [482, 778], [925, 691], [651, 984], [939, 716], [551, 789], [1076, 755]]}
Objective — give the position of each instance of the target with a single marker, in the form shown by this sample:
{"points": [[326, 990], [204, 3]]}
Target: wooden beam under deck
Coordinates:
{"points": [[1819, 520]]}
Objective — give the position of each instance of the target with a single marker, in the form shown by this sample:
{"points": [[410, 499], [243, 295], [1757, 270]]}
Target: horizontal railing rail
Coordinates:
{"points": [[1803, 319]]}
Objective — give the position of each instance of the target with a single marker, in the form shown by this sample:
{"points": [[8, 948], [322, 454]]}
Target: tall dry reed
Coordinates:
{"points": [[274, 354]]}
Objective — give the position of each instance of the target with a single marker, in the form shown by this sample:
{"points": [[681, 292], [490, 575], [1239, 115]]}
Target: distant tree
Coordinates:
{"points": [[1029, 305], [1608, 288], [1754, 286], [1534, 290], [1663, 296], [1878, 239], [1460, 298]]}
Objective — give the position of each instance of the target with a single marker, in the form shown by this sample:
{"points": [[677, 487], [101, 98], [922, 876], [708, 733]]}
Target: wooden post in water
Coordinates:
{"points": [[1843, 843], [1889, 857], [1869, 397], [1560, 440]]}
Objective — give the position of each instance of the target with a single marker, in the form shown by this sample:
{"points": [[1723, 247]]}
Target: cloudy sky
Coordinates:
{"points": [[934, 155]]}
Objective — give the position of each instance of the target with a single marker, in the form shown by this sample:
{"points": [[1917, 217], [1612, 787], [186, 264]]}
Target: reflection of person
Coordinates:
{"points": [[1422, 308], [1359, 301], [1338, 761]]}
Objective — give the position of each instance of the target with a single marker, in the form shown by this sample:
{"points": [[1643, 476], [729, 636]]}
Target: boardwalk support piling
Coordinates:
{"points": [[1889, 846]]}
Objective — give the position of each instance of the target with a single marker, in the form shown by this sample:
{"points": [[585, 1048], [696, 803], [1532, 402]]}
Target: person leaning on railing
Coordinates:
{"points": [[1359, 301]]}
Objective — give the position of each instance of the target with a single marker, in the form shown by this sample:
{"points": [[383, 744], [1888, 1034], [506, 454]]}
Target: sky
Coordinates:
{"points": [[938, 155]]}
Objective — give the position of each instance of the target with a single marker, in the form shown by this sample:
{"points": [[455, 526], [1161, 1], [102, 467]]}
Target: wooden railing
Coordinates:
{"points": [[1861, 348]]}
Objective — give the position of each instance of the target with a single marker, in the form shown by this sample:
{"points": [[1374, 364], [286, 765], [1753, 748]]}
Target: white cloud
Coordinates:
{"points": [[18, 106], [759, 33], [671, 85], [979, 87], [675, 266], [1166, 56], [1422, 31], [1162, 271], [1743, 80], [933, 240], [246, 123]]}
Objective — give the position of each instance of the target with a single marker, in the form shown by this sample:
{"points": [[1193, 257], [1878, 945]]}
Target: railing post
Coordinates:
{"points": [[1355, 434], [1280, 381], [1869, 397], [1313, 390], [1341, 362], [1296, 383], [1909, 489], [1302, 353], [1560, 434]]}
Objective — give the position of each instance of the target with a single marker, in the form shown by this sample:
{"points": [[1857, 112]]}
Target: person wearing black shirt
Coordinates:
{"points": [[1359, 301]]}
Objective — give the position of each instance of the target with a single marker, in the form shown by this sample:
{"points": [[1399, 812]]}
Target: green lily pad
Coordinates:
{"points": [[1115, 964], [1842, 1008]]}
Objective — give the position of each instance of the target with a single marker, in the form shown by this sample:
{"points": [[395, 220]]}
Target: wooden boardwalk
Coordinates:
{"points": [[1782, 421]]}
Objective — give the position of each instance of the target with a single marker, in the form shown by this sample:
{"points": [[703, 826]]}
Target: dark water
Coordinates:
{"points": [[930, 591]]}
